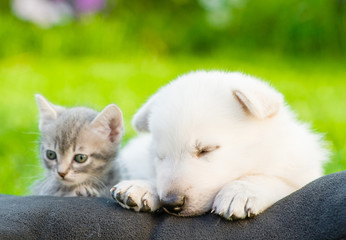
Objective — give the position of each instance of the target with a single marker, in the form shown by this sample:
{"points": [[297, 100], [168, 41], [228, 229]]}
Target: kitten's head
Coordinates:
{"points": [[78, 144]]}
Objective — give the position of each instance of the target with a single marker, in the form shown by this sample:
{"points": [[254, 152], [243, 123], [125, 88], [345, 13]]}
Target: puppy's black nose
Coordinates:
{"points": [[173, 203]]}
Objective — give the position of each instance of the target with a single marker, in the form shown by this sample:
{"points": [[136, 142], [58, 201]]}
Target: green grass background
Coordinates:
{"points": [[125, 59]]}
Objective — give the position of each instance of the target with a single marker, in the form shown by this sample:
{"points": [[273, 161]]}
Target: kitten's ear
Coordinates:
{"points": [[140, 120], [109, 123], [259, 100], [48, 111]]}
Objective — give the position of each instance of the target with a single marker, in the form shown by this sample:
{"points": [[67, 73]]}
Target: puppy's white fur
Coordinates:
{"points": [[225, 141]]}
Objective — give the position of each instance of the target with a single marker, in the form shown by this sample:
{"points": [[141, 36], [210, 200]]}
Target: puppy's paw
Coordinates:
{"points": [[138, 195], [238, 200], [86, 191]]}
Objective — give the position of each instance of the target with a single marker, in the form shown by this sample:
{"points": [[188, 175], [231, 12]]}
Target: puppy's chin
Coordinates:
{"points": [[191, 214], [187, 213], [196, 204], [191, 211]]}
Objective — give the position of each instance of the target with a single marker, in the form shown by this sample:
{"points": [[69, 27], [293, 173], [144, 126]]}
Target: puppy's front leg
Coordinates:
{"points": [[250, 195], [139, 195]]}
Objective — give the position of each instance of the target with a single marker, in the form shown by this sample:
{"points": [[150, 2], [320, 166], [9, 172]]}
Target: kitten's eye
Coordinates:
{"points": [[80, 158], [205, 150], [51, 155]]}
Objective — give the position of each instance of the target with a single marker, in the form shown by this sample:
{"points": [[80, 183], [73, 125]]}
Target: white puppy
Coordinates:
{"points": [[217, 141]]}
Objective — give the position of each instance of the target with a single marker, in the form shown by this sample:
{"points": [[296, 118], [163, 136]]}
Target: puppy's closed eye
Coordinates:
{"points": [[160, 156], [202, 151]]}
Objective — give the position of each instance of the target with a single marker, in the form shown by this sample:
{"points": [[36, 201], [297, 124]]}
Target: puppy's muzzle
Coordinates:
{"points": [[173, 204]]}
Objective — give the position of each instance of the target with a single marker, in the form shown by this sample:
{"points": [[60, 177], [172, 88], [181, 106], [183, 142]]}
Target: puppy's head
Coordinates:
{"points": [[203, 125]]}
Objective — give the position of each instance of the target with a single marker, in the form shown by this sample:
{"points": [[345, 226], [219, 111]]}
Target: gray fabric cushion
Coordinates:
{"points": [[317, 211]]}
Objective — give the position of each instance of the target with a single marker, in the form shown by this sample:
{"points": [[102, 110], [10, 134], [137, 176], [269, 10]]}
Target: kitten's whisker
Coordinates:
{"points": [[31, 165], [99, 181], [33, 177], [33, 133]]}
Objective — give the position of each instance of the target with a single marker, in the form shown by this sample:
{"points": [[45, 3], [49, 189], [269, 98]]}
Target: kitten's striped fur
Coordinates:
{"points": [[79, 130]]}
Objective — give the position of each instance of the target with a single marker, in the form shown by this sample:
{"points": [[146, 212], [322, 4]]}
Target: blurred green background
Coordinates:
{"points": [[125, 53]]}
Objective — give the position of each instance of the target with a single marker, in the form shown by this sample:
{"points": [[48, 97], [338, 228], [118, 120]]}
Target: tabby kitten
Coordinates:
{"points": [[78, 149]]}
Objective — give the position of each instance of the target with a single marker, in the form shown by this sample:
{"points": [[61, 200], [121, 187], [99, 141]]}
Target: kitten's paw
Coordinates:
{"points": [[86, 191], [238, 200], [138, 195]]}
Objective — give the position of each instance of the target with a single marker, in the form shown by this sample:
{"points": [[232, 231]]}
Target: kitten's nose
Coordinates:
{"points": [[173, 203], [62, 174]]}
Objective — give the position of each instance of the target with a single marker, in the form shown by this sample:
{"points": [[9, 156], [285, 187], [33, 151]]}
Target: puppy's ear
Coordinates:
{"points": [[259, 100], [140, 120], [109, 123], [48, 111]]}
